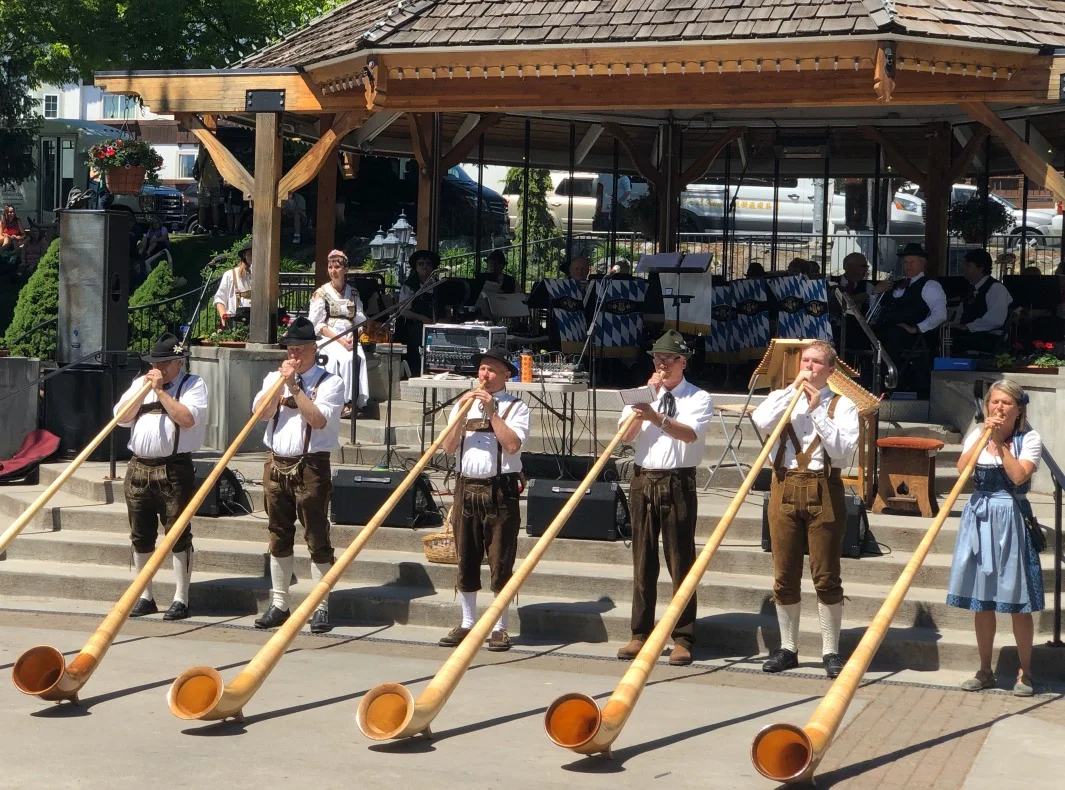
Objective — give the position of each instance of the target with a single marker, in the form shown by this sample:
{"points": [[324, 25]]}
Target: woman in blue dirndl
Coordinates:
{"points": [[995, 567]]}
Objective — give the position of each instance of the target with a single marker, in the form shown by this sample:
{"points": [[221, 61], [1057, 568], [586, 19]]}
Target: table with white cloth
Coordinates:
{"points": [[537, 390]]}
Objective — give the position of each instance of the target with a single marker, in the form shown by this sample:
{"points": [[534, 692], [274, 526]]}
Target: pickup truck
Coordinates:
{"points": [[166, 203]]}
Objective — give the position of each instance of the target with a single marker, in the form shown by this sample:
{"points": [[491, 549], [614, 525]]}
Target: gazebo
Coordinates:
{"points": [[935, 89]]}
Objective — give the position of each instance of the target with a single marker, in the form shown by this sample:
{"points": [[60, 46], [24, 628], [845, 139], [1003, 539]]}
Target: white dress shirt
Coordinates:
{"points": [[998, 305], [655, 449], [226, 295], [480, 448], [839, 435], [287, 440], [934, 296], [153, 434]]}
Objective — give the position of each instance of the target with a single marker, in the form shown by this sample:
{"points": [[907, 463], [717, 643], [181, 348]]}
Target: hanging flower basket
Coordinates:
{"points": [[128, 180]]}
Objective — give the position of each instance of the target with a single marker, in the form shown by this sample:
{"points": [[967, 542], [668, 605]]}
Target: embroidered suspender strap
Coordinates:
{"points": [[803, 457], [483, 425], [307, 431], [156, 408], [177, 428], [239, 294]]}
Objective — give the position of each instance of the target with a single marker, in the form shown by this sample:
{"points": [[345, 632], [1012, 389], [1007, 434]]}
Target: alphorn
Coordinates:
{"points": [[574, 721], [20, 523], [389, 711], [200, 693], [41, 671], [786, 753]]}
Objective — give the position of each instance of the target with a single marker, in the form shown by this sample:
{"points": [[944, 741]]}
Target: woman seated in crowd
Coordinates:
{"points": [[154, 243], [995, 567], [11, 231], [335, 308]]}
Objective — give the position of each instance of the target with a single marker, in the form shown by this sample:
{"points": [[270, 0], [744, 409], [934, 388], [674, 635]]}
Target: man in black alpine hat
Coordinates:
{"points": [[233, 296], [485, 514], [913, 307], [167, 426], [303, 427], [670, 438]]}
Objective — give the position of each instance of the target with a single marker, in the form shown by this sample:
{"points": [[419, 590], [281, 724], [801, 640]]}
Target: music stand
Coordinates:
{"points": [[674, 263]]}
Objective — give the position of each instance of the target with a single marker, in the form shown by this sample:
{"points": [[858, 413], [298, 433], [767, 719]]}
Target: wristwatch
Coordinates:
{"points": [[665, 422]]}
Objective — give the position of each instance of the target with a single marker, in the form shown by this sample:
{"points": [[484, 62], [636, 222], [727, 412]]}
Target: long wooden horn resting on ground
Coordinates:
{"points": [[28, 514], [786, 753], [200, 693], [574, 720], [389, 711], [41, 670]]}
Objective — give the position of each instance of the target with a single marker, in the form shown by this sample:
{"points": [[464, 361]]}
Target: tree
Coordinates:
{"points": [[38, 301], [18, 123], [540, 233]]}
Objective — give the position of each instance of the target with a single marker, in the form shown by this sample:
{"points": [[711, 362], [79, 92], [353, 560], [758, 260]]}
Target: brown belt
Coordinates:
{"points": [[323, 455], [154, 462], [658, 474]]}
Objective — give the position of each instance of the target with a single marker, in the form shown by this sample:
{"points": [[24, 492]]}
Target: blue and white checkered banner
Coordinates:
{"points": [[721, 339], [816, 320], [740, 327], [619, 326], [790, 293], [567, 306]]}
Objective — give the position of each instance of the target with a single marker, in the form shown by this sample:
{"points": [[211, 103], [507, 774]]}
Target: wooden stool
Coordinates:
{"points": [[907, 475]]}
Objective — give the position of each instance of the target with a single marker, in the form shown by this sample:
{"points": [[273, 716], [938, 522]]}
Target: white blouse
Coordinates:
{"points": [[349, 303], [1031, 448]]}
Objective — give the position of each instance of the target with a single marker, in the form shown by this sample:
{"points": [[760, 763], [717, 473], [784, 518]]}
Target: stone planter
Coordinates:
{"points": [[233, 377], [231, 344]]}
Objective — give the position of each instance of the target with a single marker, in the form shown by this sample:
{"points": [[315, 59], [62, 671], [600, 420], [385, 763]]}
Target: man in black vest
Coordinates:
{"points": [[986, 308], [913, 307]]}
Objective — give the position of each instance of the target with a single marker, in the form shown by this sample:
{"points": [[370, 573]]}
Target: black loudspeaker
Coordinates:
{"points": [[227, 496], [359, 493], [78, 403], [853, 538], [552, 466], [601, 514], [93, 282]]}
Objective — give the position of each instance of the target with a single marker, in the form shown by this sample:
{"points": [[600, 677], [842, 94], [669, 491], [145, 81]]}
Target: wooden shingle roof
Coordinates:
{"points": [[414, 24]]}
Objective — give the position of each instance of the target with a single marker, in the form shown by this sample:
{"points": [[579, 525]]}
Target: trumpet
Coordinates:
{"points": [[200, 693], [786, 753], [389, 711], [20, 523], [42, 671], [574, 721]]}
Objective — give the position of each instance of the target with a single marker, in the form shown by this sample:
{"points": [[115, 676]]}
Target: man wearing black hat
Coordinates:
{"points": [[912, 307], [986, 308], [234, 289], [670, 437], [302, 428], [485, 513], [167, 426]]}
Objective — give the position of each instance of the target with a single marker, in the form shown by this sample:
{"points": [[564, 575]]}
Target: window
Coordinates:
{"points": [[119, 107], [51, 105], [580, 187], [185, 164]]}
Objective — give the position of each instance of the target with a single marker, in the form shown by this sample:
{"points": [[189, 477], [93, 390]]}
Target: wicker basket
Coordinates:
{"points": [[440, 546], [125, 180]]}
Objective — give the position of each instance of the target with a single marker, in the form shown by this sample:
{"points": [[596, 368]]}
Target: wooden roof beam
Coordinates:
{"points": [[311, 162], [906, 168], [1030, 162], [228, 165], [963, 134], [374, 126], [584, 147], [968, 153], [698, 168], [643, 164], [462, 145]]}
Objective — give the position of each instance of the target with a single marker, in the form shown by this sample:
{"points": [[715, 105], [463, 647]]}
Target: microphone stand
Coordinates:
{"points": [[600, 298], [199, 304]]}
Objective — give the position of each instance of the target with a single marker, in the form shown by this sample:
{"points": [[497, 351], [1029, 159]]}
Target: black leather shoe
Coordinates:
{"points": [[781, 659], [144, 606], [272, 618], [320, 622], [833, 664], [177, 611]]}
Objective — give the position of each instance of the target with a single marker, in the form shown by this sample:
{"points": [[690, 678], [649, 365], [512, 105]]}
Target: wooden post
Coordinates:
{"points": [[937, 198], [669, 197], [266, 229], [325, 235]]}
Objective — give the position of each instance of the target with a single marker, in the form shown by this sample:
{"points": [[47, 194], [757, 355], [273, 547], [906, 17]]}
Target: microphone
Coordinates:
{"points": [[217, 259], [615, 269]]}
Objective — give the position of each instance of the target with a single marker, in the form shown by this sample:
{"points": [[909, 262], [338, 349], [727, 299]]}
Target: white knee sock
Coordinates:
{"points": [[182, 575], [831, 617], [139, 561], [469, 608], [788, 620], [502, 624], [318, 570], [280, 575]]}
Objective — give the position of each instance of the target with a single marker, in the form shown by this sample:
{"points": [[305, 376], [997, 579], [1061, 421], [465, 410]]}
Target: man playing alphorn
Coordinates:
{"points": [[485, 514], [806, 502], [167, 426], [670, 439], [302, 427]]}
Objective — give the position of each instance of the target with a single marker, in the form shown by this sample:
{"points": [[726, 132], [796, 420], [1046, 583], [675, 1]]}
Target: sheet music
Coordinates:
{"points": [[637, 395]]}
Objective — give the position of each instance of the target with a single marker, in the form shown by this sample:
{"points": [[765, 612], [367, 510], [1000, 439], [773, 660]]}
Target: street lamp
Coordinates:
{"points": [[377, 246], [396, 247]]}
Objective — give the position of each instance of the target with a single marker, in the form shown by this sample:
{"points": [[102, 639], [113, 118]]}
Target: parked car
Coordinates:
{"points": [[587, 195], [458, 209], [1055, 224], [1039, 220], [165, 202]]}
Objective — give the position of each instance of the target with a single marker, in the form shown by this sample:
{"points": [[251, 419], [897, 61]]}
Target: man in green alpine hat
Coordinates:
{"points": [[670, 438]]}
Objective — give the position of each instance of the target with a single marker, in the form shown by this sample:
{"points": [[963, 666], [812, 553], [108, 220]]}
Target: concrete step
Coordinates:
{"points": [[597, 619], [556, 579]]}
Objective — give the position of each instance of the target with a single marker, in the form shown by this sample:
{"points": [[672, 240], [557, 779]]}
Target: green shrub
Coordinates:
{"points": [[145, 326], [37, 301]]}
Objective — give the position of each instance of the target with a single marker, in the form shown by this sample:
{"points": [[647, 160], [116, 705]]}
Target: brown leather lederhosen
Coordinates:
{"points": [[806, 510], [486, 517], [299, 487], [158, 489]]}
